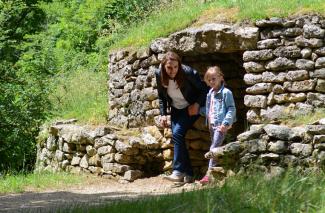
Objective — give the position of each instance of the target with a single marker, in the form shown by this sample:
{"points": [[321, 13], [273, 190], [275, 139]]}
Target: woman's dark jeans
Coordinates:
{"points": [[181, 122]]}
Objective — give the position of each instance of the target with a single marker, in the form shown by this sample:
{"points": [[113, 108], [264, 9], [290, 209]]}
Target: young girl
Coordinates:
{"points": [[220, 110]]}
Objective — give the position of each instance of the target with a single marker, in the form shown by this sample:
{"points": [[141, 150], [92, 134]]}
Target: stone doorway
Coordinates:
{"points": [[232, 66]]}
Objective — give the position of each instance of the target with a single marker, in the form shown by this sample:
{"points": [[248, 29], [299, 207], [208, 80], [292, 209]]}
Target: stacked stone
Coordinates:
{"points": [[287, 70], [132, 94], [272, 148], [101, 151]]}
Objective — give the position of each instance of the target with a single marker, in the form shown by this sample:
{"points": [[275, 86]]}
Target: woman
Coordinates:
{"points": [[181, 91]]}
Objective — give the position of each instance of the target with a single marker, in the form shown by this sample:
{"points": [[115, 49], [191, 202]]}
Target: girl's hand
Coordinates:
{"points": [[193, 109], [222, 128], [163, 121]]}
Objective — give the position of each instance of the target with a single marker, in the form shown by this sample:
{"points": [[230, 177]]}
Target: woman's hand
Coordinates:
{"points": [[163, 121], [193, 109]]}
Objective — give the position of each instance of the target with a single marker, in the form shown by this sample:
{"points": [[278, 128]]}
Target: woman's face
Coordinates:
{"points": [[171, 68]]}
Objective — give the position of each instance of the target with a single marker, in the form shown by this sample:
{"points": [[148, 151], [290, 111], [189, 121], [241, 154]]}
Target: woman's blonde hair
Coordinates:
{"points": [[215, 70]]}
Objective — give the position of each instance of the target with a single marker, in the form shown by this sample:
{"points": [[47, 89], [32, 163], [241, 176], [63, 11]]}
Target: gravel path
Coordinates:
{"points": [[98, 191]]}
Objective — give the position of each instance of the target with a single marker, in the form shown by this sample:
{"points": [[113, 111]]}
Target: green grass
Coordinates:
{"points": [[81, 95], [252, 193], [37, 181], [182, 13], [304, 119], [168, 19]]}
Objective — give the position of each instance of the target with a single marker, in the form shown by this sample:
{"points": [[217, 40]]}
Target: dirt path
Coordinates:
{"points": [[99, 190]]}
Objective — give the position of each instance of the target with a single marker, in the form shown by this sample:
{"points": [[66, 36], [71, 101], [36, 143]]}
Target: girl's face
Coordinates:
{"points": [[214, 81], [171, 68]]}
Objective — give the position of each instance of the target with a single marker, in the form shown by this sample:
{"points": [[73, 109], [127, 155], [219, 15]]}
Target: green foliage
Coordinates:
{"points": [[246, 193], [22, 102]]}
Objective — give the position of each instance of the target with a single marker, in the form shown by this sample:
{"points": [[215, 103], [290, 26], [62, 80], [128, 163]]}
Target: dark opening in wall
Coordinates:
{"points": [[231, 65]]}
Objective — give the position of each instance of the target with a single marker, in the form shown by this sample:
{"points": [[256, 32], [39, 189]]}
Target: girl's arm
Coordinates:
{"points": [[230, 117]]}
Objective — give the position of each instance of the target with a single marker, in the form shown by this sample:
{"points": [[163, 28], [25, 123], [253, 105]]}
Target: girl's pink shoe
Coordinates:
{"points": [[204, 180]]}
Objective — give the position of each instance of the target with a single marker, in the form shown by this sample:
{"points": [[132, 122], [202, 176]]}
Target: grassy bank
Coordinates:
{"points": [[37, 181], [85, 97], [290, 193]]}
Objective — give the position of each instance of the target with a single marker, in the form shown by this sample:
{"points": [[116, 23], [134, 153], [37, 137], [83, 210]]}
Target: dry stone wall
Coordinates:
{"points": [[286, 71], [275, 68]]}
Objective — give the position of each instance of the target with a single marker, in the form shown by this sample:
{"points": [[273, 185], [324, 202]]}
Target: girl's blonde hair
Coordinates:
{"points": [[215, 70]]}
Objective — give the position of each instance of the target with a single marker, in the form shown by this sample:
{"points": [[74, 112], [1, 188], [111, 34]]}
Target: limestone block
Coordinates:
{"points": [[297, 75], [313, 31], [300, 86], [269, 157], [268, 43], [168, 154], [95, 169], [254, 67], [248, 158], [59, 155], [94, 160], [312, 43], [257, 55], [105, 150], [84, 161], [279, 64], [305, 64], [320, 87], [287, 52], [306, 53], [255, 146], [108, 158], [293, 32], [273, 77], [278, 89], [123, 158], [316, 99], [143, 53], [75, 161], [159, 45], [278, 146], [121, 55], [260, 88], [132, 175], [51, 143], [125, 148], [319, 139], [320, 62], [278, 131], [75, 134], [315, 129], [69, 148], [253, 116], [319, 73], [251, 79], [258, 101], [108, 139], [250, 135], [300, 149], [271, 33], [320, 51], [168, 165], [116, 168], [290, 98], [149, 141], [273, 21]]}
